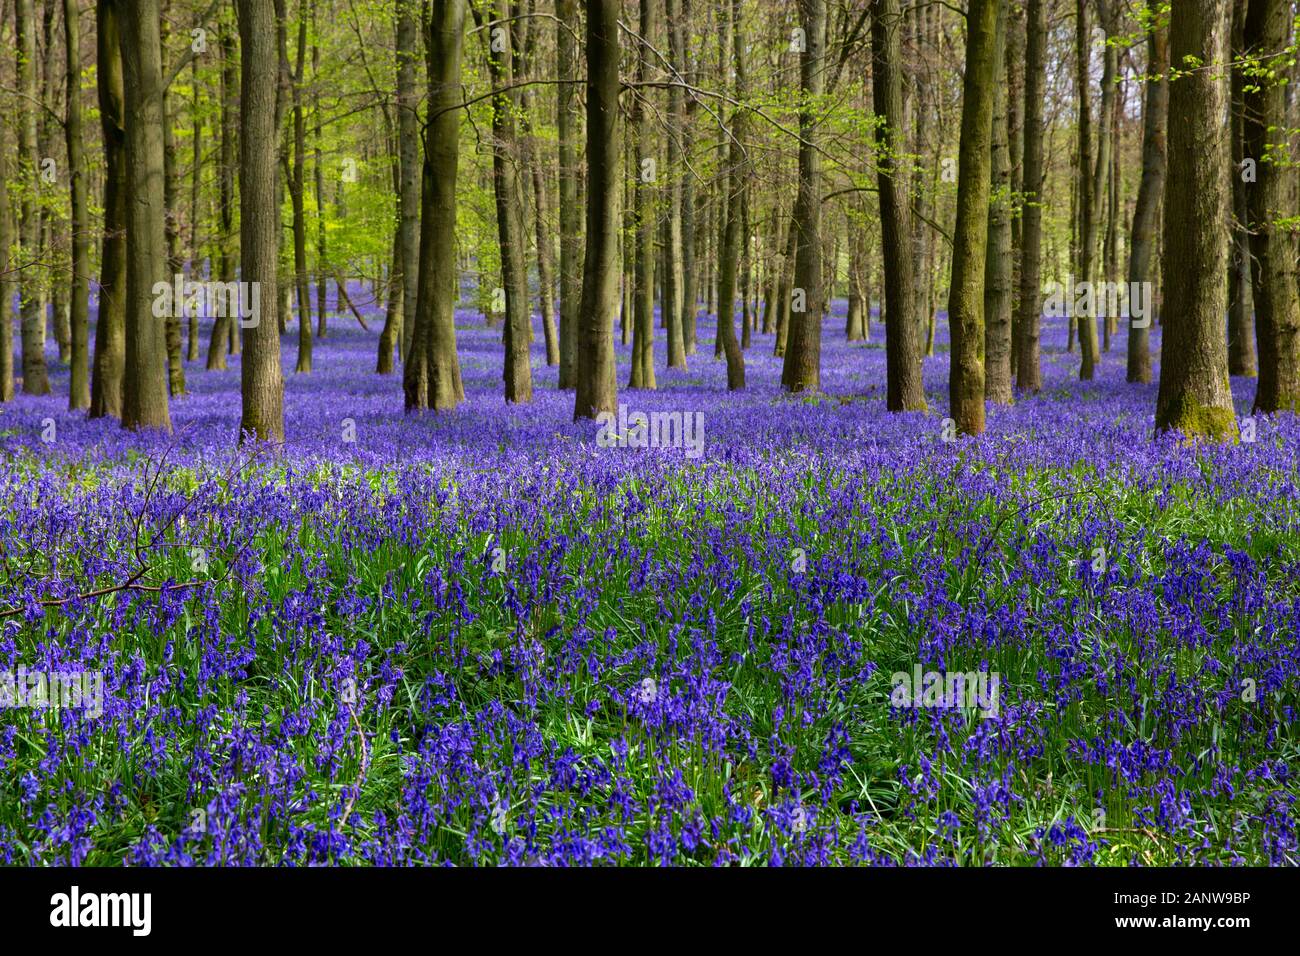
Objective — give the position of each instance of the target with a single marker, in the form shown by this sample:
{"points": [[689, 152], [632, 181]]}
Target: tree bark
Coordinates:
{"points": [[1194, 396], [431, 376], [144, 392], [110, 324], [568, 123], [1151, 189], [261, 378], [79, 307], [30, 306], [645, 212], [904, 390], [517, 374], [8, 267], [597, 389], [224, 327], [1086, 324], [171, 224], [1272, 244], [1241, 332], [801, 369], [674, 279], [297, 192], [966, 297], [997, 263], [409, 165], [733, 185], [1028, 372]]}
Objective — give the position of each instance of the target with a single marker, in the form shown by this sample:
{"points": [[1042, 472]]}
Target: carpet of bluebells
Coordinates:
{"points": [[481, 638]]}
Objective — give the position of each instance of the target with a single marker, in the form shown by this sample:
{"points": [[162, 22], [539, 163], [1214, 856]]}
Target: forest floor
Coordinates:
{"points": [[485, 637]]}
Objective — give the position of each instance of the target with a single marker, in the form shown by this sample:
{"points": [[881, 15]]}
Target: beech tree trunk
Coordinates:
{"points": [[431, 375], [517, 373], [226, 327], [110, 323], [997, 263], [30, 304], [1269, 200], [410, 167], [966, 296], [144, 393], [1194, 396], [568, 123], [1028, 373], [801, 369], [1151, 190], [1241, 331], [904, 391], [79, 306], [261, 378], [1086, 209], [597, 389]]}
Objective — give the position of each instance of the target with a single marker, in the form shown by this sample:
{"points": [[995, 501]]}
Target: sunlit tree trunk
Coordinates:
{"points": [[1194, 396], [596, 384], [144, 392], [261, 379], [110, 323], [801, 370], [79, 306], [966, 296], [1272, 244], [904, 391], [1151, 190]]}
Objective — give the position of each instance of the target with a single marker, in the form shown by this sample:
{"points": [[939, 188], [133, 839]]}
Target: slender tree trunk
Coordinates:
{"points": [[1241, 332], [1272, 244], [35, 379], [904, 390], [731, 198], [223, 325], [801, 369], [1087, 324], [110, 323], [144, 393], [1028, 373], [997, 264], [645, 214], [297, 193], [261, 378], [409, 165], [171, 226], [1151, 189], [517, 374], [196, 186], [8, 267], [53, 236], [966, 297], [673, 302], [322, 252], [1015, 62], [390, 337], [79, 390], [785, 291], [568, 126], [596, 384], [1194, 396]]}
